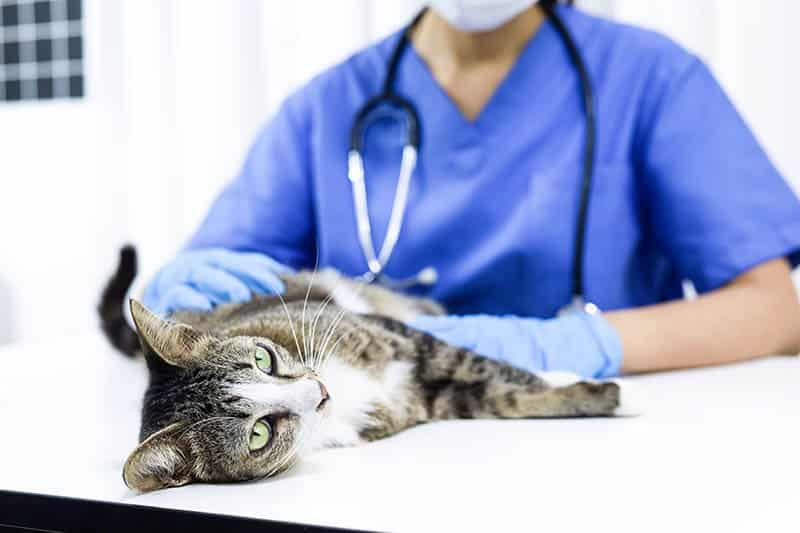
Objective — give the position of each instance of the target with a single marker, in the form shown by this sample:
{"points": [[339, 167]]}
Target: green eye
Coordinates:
{"points": [[260, 435], [264, 358]]}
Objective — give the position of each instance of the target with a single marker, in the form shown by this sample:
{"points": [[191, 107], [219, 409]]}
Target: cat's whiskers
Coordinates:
{"points": [[295, 458], [304, 355], [317, 315], [332, 350], [329, 334], [325, 354], [290, 456], [331, 326], [291, 323]]}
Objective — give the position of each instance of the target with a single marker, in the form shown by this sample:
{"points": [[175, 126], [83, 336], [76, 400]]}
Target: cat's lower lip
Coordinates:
{"points": [[323, 403], [324, 396]]}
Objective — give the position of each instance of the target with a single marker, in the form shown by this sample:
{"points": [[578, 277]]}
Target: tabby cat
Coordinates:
{"points": [[246, 390]]}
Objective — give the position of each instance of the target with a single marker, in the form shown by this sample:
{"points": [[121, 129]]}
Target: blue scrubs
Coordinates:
{"points": [[681, 189]]}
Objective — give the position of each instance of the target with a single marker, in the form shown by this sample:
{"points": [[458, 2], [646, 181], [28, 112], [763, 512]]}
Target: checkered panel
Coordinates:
{"points": [[41, 49]]}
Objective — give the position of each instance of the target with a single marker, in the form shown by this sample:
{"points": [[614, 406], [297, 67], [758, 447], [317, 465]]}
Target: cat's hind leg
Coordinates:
{"points": [[507, 400], [466, 385]]}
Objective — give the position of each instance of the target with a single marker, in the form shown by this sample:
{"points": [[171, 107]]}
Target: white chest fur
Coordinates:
{"points": [[354, 394]]}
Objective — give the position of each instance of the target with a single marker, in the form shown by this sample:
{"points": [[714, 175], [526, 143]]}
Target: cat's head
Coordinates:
{"points": [[219, 408]]}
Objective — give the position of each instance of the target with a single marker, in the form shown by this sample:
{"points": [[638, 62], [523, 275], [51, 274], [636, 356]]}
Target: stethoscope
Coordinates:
{"points": [[377, 261]]}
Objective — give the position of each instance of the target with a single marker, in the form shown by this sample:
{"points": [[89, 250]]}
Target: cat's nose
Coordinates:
{"points": [[324, 396]]}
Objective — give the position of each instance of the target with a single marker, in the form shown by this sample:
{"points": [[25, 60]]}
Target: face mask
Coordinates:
{"points": [[479, 15]]}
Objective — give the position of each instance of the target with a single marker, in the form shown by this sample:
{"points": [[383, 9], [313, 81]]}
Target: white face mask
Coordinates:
{"points": [[479, 15]]}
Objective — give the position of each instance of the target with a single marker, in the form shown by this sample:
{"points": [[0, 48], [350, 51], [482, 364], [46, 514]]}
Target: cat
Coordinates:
{"points": [[245, 390]]}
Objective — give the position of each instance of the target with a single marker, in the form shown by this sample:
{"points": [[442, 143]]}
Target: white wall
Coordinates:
{"points": [[178, 88], [59, 209], [176, 91]]}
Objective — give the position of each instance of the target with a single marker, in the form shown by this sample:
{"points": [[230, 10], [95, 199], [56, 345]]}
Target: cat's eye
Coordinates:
{"points": [[265, 359], [260, 435]]}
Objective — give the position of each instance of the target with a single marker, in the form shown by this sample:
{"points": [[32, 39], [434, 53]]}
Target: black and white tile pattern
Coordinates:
{"points": [[41, 49]]}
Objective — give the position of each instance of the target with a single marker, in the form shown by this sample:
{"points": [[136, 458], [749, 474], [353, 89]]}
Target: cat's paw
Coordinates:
{"points": [[630, 399]]}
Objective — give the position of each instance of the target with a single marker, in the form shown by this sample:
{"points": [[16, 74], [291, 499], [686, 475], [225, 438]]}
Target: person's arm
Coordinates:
{"points": [[714, 206], [757, 314], [724, 218]]}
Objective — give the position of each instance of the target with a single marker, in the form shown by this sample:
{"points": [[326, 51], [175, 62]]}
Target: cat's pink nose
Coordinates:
{"points": [[324, 396]]}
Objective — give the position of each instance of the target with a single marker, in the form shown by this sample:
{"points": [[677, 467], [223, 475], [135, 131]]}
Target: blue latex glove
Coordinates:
{"points": [[197, 280], [581, 343]]}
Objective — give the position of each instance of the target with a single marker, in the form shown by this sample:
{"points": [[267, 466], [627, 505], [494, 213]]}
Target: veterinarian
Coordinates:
{"points": [[501, 127]]}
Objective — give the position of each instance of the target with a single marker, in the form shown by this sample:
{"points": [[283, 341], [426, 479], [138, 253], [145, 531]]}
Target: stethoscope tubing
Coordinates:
{"points": [[377, 262], [587, 94]]}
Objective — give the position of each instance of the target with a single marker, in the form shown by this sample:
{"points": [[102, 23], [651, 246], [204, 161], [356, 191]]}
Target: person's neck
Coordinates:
{"points": [[443, 46], [469, 66]]}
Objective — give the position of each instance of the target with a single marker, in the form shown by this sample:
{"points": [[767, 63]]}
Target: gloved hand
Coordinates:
{"points": [[582, 343], [197, 280]]}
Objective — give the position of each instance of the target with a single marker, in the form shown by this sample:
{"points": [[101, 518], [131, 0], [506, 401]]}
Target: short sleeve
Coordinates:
{"points": [[267, 208], [712, 199]]}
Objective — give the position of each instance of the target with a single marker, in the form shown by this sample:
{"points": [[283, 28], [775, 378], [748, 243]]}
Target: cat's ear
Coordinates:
{"points": [[160, 461], [176, 343]]}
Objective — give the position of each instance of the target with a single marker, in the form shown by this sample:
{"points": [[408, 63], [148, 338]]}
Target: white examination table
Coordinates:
{"points": [[715, 450]]}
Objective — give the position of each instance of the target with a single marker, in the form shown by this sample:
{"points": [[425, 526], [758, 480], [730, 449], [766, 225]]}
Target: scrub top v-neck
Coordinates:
{"points": [[681, 190], [497, 112]]}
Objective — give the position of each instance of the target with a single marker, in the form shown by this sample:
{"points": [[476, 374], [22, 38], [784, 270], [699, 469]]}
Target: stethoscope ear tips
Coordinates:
{"points": [[428, 276]]}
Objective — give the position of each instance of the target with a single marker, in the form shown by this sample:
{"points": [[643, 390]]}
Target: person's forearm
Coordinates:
{"points": [[755, 315]]}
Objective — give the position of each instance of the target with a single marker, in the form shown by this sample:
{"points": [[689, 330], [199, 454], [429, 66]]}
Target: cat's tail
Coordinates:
{"points": [[112, 300]]}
